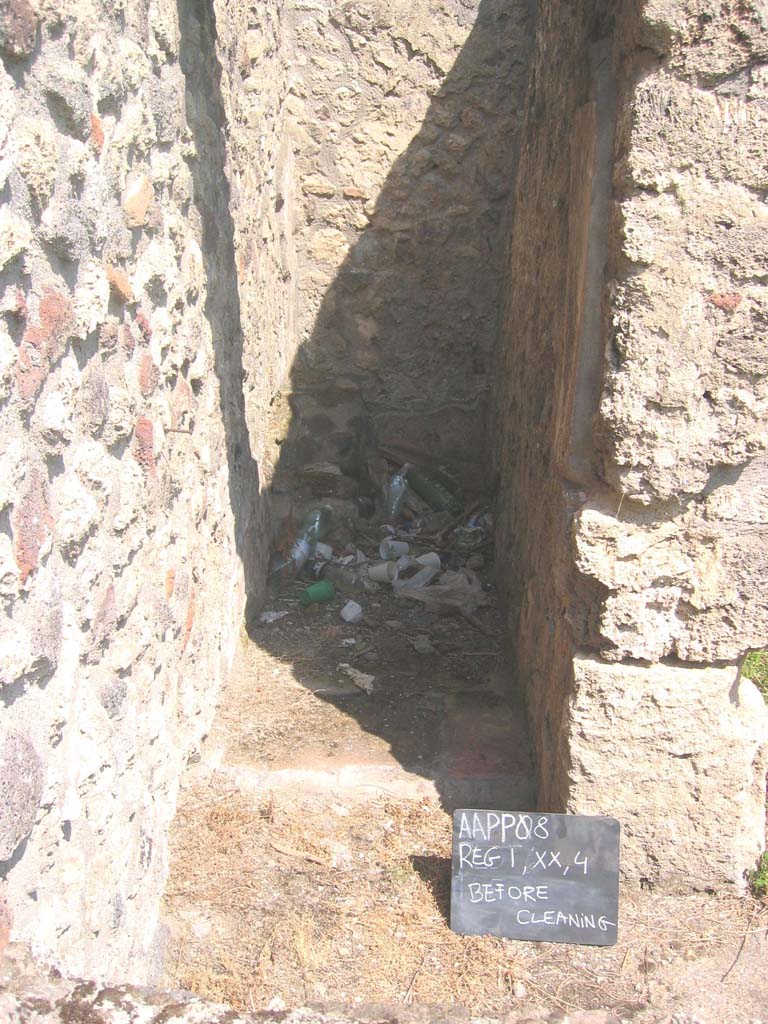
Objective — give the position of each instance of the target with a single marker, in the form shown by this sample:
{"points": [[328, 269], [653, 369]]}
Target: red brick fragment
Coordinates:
{"points": [[149, 374], [48, 331], [96, 137], [142, 322], [727, 301], [144, 444], [43, 340], [31, 523], [190, 619]]}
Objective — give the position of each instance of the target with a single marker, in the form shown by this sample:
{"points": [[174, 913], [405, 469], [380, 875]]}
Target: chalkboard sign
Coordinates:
{"points": [[540, 877]]}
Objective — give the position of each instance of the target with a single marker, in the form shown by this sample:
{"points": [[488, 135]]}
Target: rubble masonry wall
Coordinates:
{"points": [[133, 520]]}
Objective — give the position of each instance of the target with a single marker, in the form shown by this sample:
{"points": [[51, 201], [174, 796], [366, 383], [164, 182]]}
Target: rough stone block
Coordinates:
{"points": [[22, 778], [64, 229], [69, 100], [31, 522], [37, 151], [679, 756], [137, 197], [18, 28], [94, 398], [112, 696], [77, 515], [15, 236]]}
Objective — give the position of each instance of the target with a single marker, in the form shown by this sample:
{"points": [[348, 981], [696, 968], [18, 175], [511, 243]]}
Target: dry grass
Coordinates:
{"points": [[368, 923]]}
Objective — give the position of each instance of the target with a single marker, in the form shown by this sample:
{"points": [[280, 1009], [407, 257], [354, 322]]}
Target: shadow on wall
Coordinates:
{"points": [[403, 345], [205, 118]]}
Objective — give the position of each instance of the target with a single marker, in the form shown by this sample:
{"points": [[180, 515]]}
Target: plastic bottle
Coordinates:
{"points": [[316, 524], [350, 581], [433, 492], [315, 527], [395, 495]]}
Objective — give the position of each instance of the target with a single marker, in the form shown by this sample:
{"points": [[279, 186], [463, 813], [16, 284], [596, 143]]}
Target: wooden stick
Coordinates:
{"points": [[300, 854]]}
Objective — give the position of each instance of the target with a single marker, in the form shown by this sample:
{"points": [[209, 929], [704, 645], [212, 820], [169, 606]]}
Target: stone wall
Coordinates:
{"points": [[402, 119], [128, 489], [639, 572], [253, 53]]}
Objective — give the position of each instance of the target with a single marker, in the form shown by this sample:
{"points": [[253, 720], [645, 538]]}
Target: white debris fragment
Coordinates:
{"points": [[361, 679], [352, 612], [270, 617]]}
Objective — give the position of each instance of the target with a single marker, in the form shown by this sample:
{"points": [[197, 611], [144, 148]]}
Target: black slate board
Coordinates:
{"points": [[540, 877]]}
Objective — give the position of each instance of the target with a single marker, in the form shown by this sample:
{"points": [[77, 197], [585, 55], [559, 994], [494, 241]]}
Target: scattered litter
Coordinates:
{"points": [[394, 495], [352, 581], [317, 593], [269, 617], [422, 645], [382, 572], [276, 1005], [413, 581], [300, 545], [292, 564], [393, 549], [435, 493], [467, 538], [348, 641], [457, 593], [355, 558], [352, 612], [421, 507], [360, 679]]}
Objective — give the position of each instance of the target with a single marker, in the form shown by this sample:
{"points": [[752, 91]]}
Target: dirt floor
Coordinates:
{"points": [[311, 852]]}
